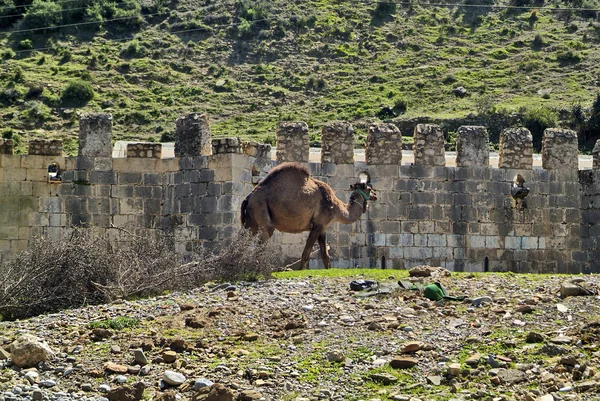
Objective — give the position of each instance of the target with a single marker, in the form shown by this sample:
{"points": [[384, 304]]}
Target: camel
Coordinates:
{"points": [[290, 200]]}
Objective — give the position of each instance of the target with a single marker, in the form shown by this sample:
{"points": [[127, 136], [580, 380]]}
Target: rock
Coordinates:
{"points": [[28, 351], [196, 322], [100, 334], [454, 369], [104, 388], [412, 346], [48, 383], [173, 378], [587, 386], [562, 340], [427, 271], [249, 395], [134, 370], [335, 356], [127, 393], [169, 356], [525, 309], [533, 337], [460, 92], [492, 362], [435, 380], [375, 326], [121, 379], [473, 360], [165, 396], [569, 360], [571, 290], [4, 355], [87, 387], [32, 377], [552, 350], [186, 307], [139, 357], [547, 397], [37, 395], [115, 349], [384, 378], [481, 300], [403, 362], [512, 376], [562, 308], [250, 337], [218, 392], [115, 368], [201, 383]]}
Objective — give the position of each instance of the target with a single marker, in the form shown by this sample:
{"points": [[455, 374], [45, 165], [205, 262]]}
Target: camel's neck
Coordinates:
{"points": [[351, 211]]}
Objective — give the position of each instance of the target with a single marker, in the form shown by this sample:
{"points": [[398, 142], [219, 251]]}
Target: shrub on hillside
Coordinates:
{"points": [[77, 92], [34, 111], [384, 9], [42, 14], [10, 96], [80, 269]]}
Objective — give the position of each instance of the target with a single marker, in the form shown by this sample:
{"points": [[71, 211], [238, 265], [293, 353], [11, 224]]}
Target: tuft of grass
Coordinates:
{"points": [[118, 323]]}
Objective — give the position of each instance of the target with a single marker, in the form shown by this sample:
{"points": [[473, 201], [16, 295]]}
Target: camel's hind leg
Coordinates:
{"points": [[315, 232], [324, 250], [261, 225]]}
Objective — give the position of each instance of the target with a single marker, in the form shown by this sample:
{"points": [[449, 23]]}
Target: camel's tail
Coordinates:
{"points": [[245, 217]]}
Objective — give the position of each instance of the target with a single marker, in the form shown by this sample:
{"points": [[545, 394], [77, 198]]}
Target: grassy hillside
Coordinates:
{"points": [[252, 63]]}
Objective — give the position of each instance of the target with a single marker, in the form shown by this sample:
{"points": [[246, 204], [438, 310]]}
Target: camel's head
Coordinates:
{"points": [[364, 190]]}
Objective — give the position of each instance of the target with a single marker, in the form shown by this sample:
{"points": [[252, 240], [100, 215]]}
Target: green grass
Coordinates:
{"points": [[374, 274], [118, 323], [316, 61]]}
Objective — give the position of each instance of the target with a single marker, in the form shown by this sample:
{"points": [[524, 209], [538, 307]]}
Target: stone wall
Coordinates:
{"points": [[463, 218], [45, 148], [144, 150]]}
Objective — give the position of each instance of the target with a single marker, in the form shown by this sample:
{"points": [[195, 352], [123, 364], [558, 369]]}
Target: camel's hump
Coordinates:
{"points": [[285, 169]]}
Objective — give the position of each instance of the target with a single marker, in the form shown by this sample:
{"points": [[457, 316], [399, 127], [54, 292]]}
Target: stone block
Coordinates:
{"points": [[293, 142], [337, 143], [429, 145], [383, 145], [143, 192], [103, 177], [476, 241], [559, 149], [37, 175], [152, 206], [192, 135], [15, 174], [170, 165], [122, 191], [131, 206], [530, 242], [95, 135], [472, 146], [129, 178], [516, 149]]}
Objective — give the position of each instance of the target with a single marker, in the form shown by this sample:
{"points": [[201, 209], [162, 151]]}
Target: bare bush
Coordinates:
{"points": [[81, 269], [243, 257]]}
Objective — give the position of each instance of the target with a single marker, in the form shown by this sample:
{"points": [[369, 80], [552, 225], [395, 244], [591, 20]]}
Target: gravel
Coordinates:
{"points": [[314, 339]]}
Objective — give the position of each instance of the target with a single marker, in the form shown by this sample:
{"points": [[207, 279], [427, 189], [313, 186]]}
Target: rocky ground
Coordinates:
{"points": [[315, 339]]}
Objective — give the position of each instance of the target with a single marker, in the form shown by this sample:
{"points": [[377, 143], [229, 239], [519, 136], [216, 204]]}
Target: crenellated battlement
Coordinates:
{"points": [[428, 211]]}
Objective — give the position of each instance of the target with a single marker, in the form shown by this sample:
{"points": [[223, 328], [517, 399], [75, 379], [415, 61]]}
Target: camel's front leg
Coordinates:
{"points": [[315, 232], [324, 250]]}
